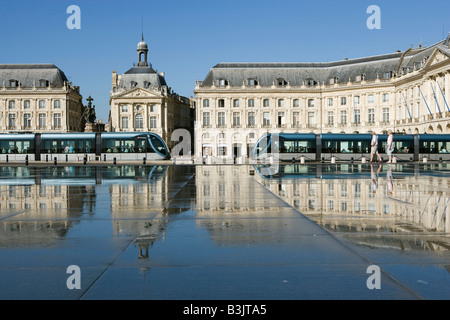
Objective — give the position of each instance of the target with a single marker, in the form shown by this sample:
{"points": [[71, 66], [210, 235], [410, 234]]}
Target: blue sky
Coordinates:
{"points": [[188, 37]]}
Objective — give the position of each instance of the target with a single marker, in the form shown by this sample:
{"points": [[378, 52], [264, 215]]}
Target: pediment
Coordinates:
{"points": [[139, 93], [437, 57]]}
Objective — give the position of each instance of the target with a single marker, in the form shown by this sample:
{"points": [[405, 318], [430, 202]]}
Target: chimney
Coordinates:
{"points": [[114, 79]]}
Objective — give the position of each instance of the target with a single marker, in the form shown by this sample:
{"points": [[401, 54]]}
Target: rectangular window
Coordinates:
{"points": [[12, 121], [57, 121], [26, 104], [27, 120], [221, 119], [221, 103], [266, 119], [385, 115], [236, 103], [152, 108], [206, 119], [311, 119], [343, 116], [281, 119], [311, 103], [236, 119], [330, 118], [57, 104], [124, 124], [296, 103], [385, 97], [356, 100], [371, 119], [370, 98], [124, 108], [343, 101], [41, 104], [206, 103], [281, 103], [357, 116], [251, 119], [11, 104], [296, 119], [251, 103], [152, 122], [266, 103], [42, 120], [330, 102]]}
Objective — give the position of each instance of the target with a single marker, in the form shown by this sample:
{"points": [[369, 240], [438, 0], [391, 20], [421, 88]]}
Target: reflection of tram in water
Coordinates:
{"points": [[81, 175], [75, 146], [346, 170], [347, 147]]}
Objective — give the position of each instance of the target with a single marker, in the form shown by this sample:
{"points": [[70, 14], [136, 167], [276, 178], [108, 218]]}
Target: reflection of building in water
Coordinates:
{"points": [[372, 201], [39, 210], [225, 193], [138, 204]]}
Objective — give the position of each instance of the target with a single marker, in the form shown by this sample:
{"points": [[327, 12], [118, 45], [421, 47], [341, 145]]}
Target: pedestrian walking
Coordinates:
{"points": [[374, 147], [390, 145]]}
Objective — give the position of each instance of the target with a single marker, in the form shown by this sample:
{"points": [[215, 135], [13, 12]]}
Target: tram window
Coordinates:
{"points": [[87, 147], [427, 147], [8, 146], [68, 146], [158, 145], [329, 146], [111, 146], [51, 146], [402, 147], [23, 147], [128, 146], [297, 147], [141, 146], [443, 147]]}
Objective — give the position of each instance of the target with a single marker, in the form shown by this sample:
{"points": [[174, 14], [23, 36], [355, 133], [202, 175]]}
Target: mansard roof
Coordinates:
{"points": [[144, 77], [29, 75], [297, 74]]}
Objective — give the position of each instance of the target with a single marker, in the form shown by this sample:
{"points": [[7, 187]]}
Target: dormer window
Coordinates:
{"points": [[334, 80], [43, 83], [252, 82], [281, 82], [133, 84], [388, 75], [310, 82], [13, 83], [360, 77], [146, 84], [223, 82]]}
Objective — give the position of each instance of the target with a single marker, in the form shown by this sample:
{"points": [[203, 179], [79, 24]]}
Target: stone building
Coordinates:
{"points": [[38, 98], [141, 100], [406, 91]]}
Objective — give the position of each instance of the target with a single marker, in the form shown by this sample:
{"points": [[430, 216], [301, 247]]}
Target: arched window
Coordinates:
{"points": [[139, 121]]}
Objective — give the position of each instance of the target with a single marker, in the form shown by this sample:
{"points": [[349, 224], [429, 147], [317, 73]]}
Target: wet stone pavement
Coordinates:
{"points": [[227, 232]]}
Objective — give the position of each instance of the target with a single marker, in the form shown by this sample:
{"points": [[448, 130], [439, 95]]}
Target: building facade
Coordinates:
{"points": [[38, 98], [407, 92], [141, 100]]}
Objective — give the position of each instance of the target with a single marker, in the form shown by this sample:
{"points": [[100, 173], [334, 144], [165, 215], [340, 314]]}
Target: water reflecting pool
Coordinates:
{"points": [[225, 232]]}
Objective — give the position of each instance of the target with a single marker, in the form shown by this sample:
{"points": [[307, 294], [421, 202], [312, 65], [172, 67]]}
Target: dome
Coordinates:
{"points": [[142, 46]]}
